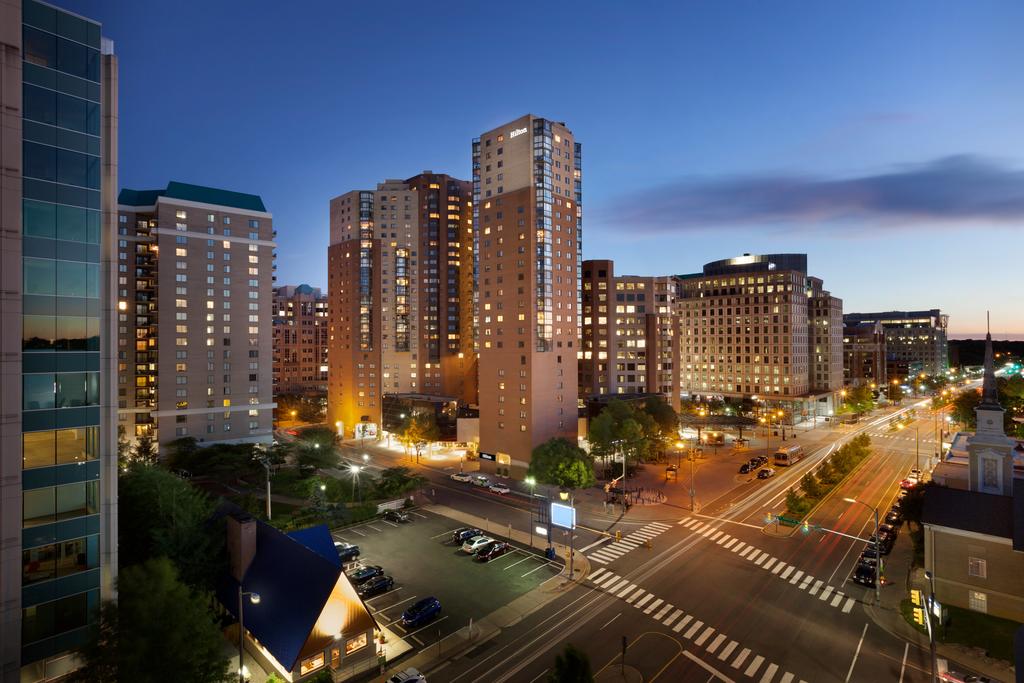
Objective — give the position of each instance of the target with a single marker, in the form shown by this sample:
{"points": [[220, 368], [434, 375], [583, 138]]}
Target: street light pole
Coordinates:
{"points": [[878, 549], [531, 482], [255, 599], [931, 632], [693, 493]]}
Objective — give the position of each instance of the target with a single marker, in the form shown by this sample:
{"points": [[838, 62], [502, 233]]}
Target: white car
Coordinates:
{"points": [[410, 675], [460, 476], [481, 481], [474, 544], [499, 488]]}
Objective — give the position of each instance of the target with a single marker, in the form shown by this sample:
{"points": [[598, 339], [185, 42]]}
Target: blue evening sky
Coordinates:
{"points": [[884, 139]]}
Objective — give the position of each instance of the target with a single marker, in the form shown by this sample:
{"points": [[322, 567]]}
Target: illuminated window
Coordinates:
{"points": [[356, 643], [312, 664]]}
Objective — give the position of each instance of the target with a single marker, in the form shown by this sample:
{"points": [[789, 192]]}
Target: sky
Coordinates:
{"points": [[885, 140]]}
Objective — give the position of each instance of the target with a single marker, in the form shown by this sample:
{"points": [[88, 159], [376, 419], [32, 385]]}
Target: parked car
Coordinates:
{"points": [[473, 545], [765, 473], [499, 489], [346, 551], [958, 677], [864, 574], [907, 484], [481, 481], [375, 586], [885, 542], [421, 612], [897, 510], [893, 518], [460, 476], [868, 556], [410, 675], [460, 536], [492, 551], [746, 467], [364, 574], [397, 516]]}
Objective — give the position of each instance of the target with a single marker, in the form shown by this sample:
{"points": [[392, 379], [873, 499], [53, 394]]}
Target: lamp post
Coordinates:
{"points": [[931, 632], [780, 414], [261, 456], [532, 483], [679, 456], [565, 494], [878, 550], [254, 598], [354, 469], [693, 492]]}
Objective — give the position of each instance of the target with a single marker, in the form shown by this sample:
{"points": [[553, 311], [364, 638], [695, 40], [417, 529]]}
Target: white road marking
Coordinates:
{"points": [[682, 623], [825, 593], [733, 541], [817, 587], [856, 653], [769, 673], [626, 590], [704, 636], [850, 602], [727, 650], [707, 667], [787, 678], [672, 617], [597, 573], [741, 657], [903, 665], [610, 621], [663, 611], [640, 603], [693, 629], [653, 606], [752, 669], [634, 596], [719, 639]]}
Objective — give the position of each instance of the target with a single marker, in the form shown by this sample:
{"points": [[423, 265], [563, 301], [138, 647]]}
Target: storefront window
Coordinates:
{"points": [[312, 664], [356, 643]]}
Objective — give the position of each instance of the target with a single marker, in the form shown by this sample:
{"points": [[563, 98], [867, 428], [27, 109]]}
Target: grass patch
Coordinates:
{"points": [[819, 483], [992, 634]]}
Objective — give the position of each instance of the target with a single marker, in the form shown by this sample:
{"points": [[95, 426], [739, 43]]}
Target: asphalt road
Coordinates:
{"points": [[718, 598]]}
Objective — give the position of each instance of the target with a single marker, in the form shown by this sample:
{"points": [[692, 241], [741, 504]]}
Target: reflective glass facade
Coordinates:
{"points": [[61, 312]]}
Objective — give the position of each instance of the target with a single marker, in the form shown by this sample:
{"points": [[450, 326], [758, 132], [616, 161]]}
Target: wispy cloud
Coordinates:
{"points": [[959, 188]]}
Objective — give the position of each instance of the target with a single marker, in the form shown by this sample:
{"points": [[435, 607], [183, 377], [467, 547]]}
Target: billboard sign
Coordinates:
{"points": [[483, 455], [563, 516]]}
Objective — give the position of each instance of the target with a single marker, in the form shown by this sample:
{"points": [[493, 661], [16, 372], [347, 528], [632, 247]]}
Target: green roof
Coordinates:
{"points": [[193, 193]]}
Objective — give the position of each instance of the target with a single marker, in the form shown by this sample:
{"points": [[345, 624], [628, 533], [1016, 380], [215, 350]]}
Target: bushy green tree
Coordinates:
{"points": [[159, 630], [397, 481], [810, 485], [622, 428], [664, 416], [144, 451], [560, 462], [416, 430], [571, 666]]}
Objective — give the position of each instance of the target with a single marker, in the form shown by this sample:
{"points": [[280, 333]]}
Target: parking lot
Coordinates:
{"points": [[422, 560]]}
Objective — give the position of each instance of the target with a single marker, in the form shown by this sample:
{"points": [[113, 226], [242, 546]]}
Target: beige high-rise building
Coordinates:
{"points": [[758, 326], [630, 326], [527, 188], [195, 295], [300, 340], [399, 296]]}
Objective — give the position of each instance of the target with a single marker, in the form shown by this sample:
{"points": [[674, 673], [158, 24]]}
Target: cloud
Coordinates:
{"points": [[959, 188]]}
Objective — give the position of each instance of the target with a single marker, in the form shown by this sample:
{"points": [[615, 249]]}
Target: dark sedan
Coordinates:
{"points": [[421, 612], [375, 586], [364, 574], [496, 549]]}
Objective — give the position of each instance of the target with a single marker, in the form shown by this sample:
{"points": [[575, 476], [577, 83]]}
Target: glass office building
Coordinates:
{"points": [[57, 440]]}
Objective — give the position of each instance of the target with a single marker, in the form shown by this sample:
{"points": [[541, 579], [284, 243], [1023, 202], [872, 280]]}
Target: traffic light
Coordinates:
{"points": [[806, 527], [915, 597], [618, 535], [919, 616], [769, 518]]}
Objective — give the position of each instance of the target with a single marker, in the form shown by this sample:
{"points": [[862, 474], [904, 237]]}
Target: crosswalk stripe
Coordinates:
{"points": [[618, 584], [625, 590], [642, 601], [754, 664], [827, 592], [653, 606], [732, 542], [806, 582], [613, 579], [785, 574], [704, 636], [690, 522], [796, 577], [778, 567], [663, 611], [849, 605], [740, 658], [682, 623], [768, 565], [596, 559], [597, 573], [627, 544], [723, 539], [739, 546], [837, 599], [672, 617], [710, 530], [719, 639], [717, 534], [693, 629], [817, 587], [699, 528], [684, 520], [659, 525], [769, 672], [787, 677], [749, 548], [761, 559], [724, 654], [637, 594]]}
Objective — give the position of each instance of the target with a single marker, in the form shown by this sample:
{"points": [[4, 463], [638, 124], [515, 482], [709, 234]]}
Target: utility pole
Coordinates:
{"points": [[931, 632]]}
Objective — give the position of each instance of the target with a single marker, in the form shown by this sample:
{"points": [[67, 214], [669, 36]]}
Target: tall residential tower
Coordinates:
{"points": [[527, 194], [58, 452]]}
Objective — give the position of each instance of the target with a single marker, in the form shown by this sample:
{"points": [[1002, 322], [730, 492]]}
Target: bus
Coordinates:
{"points": [[787, 455]]}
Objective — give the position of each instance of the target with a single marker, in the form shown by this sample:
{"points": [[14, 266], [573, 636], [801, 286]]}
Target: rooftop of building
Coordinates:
{"points": [[193, 193], [891, 315], [752, 263], [980, 513]]}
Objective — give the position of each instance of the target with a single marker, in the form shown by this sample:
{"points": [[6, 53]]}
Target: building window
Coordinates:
{"points": [[356, 643], [312, 664], [977, 567], [978, 601]]}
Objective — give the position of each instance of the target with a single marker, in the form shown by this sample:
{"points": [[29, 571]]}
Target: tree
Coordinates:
{"points": [[894, 391], [416, 430], [144, 451], [858, 400], [664, 416], [313, 454], [180, 452], [395, 481], [621, 428], [158, 630], [161, 515], [124, 449], [810, 485], [571, 666], [560, 462]]}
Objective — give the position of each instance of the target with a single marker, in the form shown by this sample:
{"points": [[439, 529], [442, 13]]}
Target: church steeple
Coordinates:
{"points": [[989, 393]]}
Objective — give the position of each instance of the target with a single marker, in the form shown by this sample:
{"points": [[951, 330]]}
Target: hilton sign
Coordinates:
{"points": [[517, 131]]}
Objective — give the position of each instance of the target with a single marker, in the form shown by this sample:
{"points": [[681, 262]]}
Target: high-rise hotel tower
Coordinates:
{"points": [[527, 193], [58, 437]]}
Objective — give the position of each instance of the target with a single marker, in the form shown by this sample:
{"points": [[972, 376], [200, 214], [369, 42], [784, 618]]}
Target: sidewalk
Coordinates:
{"points": [[901, 577]]}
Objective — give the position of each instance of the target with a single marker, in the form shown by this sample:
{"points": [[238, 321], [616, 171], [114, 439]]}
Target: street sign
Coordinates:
{"points": [[563, 516], [483, 455]]}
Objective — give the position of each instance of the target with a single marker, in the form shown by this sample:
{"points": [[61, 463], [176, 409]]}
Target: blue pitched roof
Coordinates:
{"points": [[319, 540], [193, 193], [294, 583]]}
